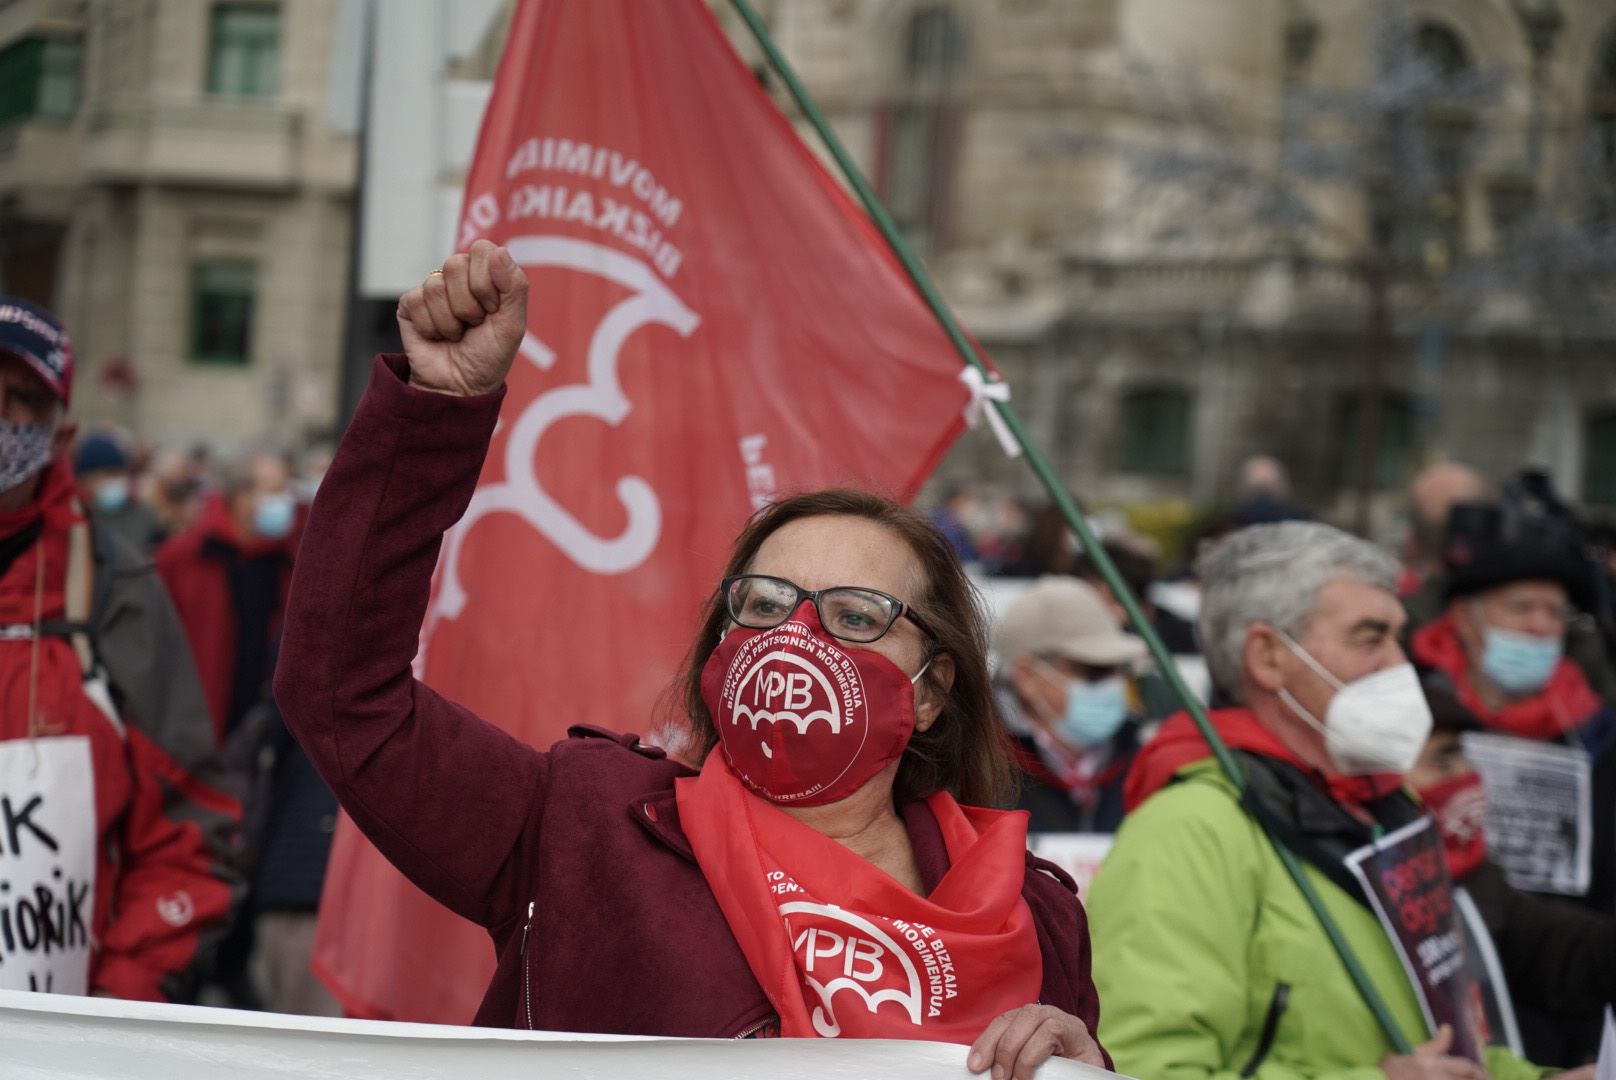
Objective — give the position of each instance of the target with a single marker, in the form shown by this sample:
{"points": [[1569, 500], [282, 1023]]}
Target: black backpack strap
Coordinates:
{"points": [[1297, 814]]}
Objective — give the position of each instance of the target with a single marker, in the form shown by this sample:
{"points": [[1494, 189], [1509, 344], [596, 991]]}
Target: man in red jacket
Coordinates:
{"points": [[115, 838], [228, 574]]}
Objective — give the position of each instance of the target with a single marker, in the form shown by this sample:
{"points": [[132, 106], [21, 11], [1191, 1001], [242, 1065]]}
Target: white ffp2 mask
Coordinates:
{"points": [[1376, 724]]}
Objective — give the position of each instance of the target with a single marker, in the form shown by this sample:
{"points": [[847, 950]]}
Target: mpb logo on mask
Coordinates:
{"points": [[790, 676], [800, 719]]}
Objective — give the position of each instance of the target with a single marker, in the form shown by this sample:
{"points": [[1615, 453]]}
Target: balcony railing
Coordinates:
{"points": [[215, 140]]}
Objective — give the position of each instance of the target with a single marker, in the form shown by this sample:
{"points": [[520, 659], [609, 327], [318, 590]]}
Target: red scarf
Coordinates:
{"points": [[1083, 790], [41, 683], [55, 505], [844, 950], [1459, 806], [1179, 743], [1564, 704]]}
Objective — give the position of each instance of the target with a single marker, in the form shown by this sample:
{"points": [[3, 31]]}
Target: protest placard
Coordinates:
{"points": [[1539, 811], [1079, 854], [47, 863], [1405, 877]]}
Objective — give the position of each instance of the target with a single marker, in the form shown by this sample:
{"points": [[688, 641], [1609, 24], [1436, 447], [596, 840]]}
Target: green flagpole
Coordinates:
{"points": [[1068, 508]]}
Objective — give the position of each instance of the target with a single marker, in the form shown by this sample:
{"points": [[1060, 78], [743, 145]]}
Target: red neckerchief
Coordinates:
{"points": [[1179, 743], [1564, 704], [1459, 806], [55, 505], [842, 949], [1080, 788]]}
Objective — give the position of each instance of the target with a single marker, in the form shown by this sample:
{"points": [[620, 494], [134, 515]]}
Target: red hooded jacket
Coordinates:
{"points": [[1179, 743], [198, 579], [162, 879]]}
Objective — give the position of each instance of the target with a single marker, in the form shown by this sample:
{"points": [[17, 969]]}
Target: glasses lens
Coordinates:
{"points": [[761, 602], [856, 614]]}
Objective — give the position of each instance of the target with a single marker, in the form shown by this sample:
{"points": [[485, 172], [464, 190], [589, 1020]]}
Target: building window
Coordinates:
{"points": [[223, 295], [1395, 449], [918, 128], [1599, 458], [1155, 431], [59, 78], [1442, 51], [39, 77], [244, 60], [1417, 208]]}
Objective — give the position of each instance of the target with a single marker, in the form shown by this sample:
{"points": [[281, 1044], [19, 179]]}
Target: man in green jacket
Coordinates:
{"points": [[1208, 959]]}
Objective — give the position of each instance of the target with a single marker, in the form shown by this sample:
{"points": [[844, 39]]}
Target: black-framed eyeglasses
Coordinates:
{"points": [[760, 602]]}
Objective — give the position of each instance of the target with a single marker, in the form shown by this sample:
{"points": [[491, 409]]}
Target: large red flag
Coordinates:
{"points": [[713, 322]]}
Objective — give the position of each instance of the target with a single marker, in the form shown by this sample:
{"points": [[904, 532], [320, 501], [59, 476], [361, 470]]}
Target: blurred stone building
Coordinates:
{"points": [[1073, 172], [173, 184], [1172, 222]]}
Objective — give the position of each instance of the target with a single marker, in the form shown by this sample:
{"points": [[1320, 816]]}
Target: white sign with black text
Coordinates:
{"points": [[1539, 811], [47, 863]]}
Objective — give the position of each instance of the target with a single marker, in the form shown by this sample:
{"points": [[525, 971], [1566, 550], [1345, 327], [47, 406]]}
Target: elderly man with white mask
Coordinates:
{"points": [[1208, 959]]}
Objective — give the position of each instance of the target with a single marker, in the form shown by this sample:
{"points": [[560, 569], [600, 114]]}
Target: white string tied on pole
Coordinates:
{"points": [[983, 394]]}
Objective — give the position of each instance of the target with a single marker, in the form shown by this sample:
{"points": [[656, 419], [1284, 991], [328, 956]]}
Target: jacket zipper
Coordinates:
{"points": [[755, 1028], [527, 987]]}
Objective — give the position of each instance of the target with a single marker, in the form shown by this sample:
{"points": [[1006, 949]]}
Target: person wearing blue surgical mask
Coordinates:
{"points": [[1546, 748], [1068, 696], [106, 488], [229, 572]]}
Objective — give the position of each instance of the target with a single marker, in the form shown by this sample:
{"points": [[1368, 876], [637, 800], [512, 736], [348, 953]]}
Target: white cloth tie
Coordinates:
{"points": [[983, 393]]}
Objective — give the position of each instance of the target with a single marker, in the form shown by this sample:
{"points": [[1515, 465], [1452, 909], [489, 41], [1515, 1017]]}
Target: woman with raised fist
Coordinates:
{"points": [[826, 869]]}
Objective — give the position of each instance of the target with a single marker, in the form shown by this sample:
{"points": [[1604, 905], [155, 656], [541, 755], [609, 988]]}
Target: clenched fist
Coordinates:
{"points": [[461, 327]]}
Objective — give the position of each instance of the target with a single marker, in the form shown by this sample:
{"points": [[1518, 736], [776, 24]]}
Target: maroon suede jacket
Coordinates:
{"points": [[572, 858]]}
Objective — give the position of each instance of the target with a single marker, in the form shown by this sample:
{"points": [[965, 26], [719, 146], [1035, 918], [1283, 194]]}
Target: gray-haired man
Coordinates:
{"points": [[1208, 959]]}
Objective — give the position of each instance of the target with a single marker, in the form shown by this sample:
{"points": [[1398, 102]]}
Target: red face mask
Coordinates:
{"points": [[800, 719], [1460, 808]]}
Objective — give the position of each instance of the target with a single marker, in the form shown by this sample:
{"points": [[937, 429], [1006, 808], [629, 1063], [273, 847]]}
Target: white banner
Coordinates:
{"points": [[54, 1037]]}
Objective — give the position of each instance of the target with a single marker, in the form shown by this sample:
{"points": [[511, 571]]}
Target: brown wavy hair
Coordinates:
{"points": [[965, 751]]}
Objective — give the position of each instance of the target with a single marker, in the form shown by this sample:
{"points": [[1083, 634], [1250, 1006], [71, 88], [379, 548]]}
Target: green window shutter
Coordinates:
{"points": [[1155, 432], [244, 58], [1599, 459], [223, 296], [20, 65]]}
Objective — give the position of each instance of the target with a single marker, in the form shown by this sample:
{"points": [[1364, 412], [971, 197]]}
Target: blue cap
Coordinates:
{"points": [[34, 336], [98, 452]]}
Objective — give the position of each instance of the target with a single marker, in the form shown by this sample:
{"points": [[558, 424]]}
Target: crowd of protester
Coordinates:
{"points": [[155, 583], [1505, 612], [221, 531], [160, 651]]}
